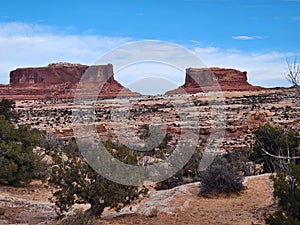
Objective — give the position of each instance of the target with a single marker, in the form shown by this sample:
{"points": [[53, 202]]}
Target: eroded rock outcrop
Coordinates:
{"points": [[49, 75], [60, 81], [214, 79]]}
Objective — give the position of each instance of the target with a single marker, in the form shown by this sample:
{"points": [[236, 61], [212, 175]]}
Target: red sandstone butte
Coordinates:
{"points": [[214, 79], [60, 81], [48, 75]]}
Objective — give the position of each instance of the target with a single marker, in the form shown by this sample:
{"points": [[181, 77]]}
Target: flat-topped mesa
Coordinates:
{"points": [[48, 75], [214, 79], [60, 80]]}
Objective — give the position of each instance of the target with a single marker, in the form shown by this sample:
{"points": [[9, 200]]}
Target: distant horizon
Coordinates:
{"points": [[141, 84]]}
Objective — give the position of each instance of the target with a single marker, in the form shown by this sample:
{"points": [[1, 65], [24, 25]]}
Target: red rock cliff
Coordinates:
{"points": [[214, 79], [48, 75], [60, 81]]}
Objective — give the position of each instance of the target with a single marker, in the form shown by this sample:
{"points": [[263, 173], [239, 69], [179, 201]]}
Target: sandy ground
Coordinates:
{"points": [[181, 205], [249, 208]]}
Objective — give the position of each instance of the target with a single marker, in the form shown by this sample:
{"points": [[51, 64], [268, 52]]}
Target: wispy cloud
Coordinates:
{"points": [[264, 69], [194, 41], [24, 45], [207, 50], [246, 37]]}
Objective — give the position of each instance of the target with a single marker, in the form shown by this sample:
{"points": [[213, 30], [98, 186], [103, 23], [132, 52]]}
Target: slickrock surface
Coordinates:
{"points": [[30, 205], [180, 205]]}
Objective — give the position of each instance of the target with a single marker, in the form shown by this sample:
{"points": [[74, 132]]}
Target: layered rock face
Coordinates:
{"points": [[49, 75], [214, 79], [60, 81]]}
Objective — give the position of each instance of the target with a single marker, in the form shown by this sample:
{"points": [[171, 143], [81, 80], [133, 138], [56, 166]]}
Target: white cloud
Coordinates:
{"points": [[264, 69], [24, 45], [208, 50], [194, 41], [246, 38], [142, 70]]}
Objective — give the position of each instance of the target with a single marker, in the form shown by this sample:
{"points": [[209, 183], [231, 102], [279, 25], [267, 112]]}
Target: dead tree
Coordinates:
{"points": [[294, 72]]}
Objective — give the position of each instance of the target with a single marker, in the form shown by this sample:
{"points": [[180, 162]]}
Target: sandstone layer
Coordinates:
{"points": [[61, 80], [214, 79], [48, 75]]}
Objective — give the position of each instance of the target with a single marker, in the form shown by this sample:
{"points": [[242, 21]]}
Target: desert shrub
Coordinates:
{"points": [[7, 109], [18, 162], [42, 171], [155, 138], [220, 177], [80, 218], [77, 182], [50, 142], [272, 147], [189, 173], [153, 212], [287, 192], [2, 211], [238, 157]]}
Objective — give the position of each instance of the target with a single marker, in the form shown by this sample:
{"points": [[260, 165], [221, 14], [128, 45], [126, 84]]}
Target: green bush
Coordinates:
{"points": [[77, 182], [189, 173], [18, 162], [238, 157], [287, 192], [272, 145], [7, 109], [220, 177], [2, 211]]}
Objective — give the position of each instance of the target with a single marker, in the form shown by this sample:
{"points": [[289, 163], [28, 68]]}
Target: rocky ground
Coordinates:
{"points": [[244, 111], [28, 205], [180, 205], [237, 114]]}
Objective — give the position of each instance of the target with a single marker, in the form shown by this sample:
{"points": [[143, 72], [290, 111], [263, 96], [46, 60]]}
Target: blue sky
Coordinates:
{"points": [[256, 36]]}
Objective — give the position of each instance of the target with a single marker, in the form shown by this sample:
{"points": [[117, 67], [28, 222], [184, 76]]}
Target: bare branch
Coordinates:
{"points": [[279, 156], [278, 161], [293, 74]]}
